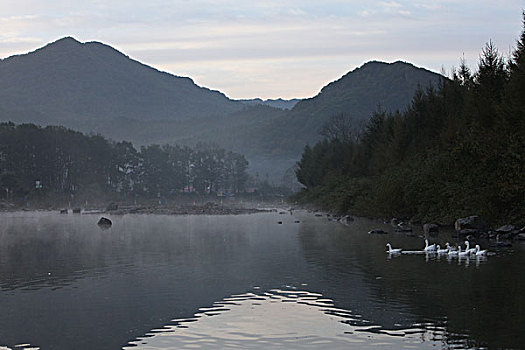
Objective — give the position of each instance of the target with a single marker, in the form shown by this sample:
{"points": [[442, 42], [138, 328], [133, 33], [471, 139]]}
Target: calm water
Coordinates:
{"points": [[170, 282]]}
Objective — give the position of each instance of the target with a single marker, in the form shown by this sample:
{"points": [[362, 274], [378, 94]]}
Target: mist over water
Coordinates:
{"points": [[245, 281]]}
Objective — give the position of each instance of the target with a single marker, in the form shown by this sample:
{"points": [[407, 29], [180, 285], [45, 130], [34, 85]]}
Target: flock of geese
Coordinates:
{"points": [[436, 249]]}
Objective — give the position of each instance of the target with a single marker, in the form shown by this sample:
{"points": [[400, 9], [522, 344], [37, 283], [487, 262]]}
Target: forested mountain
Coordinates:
{"points": [[276, 103], [91, 87], [457, 150], [81, 84], [358, 94]]}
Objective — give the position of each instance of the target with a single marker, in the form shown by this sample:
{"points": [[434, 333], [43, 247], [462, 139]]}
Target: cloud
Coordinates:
{"points": [[271, 47]]}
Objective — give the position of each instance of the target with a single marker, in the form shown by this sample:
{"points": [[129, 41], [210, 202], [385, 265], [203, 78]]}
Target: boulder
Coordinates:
{"points": [[403, 227], [377, 231], [345, 220], [470, 222], [468, 231], [505, 229], [520, 237], [430, 229], [104, 222]]}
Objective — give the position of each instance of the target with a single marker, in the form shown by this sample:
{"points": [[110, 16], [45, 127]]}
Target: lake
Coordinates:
{"points": [[248, 282]]}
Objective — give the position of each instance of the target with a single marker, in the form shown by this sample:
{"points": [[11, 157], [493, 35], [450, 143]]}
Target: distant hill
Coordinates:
{"points": [[92, 87], [76, 84], [276, 103], [359, 93]]}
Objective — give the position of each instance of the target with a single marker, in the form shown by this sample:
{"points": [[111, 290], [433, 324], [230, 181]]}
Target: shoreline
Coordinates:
{"points": [[181, 209]]}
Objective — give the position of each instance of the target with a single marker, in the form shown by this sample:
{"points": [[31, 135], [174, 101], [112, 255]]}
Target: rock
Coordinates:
{"points": [[484, 235], [505, 229], [296, 221], [76, 210], [280, 222], [468, 231], [470, 222], [112, 206], [104, 222], [346, 219], [520, 237], [503, 236], [63, 211], [402, 227], [377, 231], [431, 229]]}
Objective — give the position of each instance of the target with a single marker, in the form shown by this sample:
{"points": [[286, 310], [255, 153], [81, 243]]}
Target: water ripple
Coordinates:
{"points": [[291, 319]]}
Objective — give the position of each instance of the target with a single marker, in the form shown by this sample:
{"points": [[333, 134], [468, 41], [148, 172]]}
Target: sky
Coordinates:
{"points": [[269, 48]]}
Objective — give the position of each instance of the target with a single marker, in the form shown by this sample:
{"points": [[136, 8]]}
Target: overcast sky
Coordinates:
{"points": [[268, 48]]}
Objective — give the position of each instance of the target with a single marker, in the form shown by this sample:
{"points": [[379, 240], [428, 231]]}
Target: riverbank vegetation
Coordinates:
{"points": [[458, 149], [55, 163]]}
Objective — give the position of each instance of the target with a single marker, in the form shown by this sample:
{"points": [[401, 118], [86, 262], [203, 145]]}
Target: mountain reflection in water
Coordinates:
{"points": [[66, 284]]}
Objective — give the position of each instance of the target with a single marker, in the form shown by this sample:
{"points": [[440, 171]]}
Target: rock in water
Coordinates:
{"points": [[471, 222], [430, 229], [104, 222], [505, 229], [377, 231]]}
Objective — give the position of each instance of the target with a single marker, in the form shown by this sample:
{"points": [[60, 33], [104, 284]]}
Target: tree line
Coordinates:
{"points": [[39, 162], [458, 149]]}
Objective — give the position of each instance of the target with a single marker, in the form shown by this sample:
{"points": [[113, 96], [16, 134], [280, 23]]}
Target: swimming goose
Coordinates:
{"points": [[452, 253], [441, 251], [450, 248], [480, 252], [429, 248], [393, 251], [469, 250], [460, 253]]}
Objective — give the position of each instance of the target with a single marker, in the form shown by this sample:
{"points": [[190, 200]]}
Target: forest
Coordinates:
{"points": [[55, 163], [458, 149]]}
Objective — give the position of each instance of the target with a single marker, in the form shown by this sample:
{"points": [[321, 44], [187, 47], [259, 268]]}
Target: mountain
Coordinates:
{"points": [[92, 87], [276, 103], [81, 84], [359, 93]]}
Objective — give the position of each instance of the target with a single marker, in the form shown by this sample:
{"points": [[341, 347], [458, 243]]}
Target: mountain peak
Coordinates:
{"points": [[67, 42]]}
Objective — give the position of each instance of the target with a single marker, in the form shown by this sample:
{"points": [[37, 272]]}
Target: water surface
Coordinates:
{"points": [[160, 282]]}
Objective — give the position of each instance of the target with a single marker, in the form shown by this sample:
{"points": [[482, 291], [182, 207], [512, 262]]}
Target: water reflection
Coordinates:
{"points": [[285, 319], [66, 284]]}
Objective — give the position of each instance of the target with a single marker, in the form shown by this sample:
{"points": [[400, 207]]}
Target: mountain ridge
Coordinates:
{"points": [[92, 87], [91, 79]]}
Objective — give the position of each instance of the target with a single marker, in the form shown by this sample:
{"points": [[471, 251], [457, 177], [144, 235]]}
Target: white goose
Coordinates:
{"points": [[462, 254], [452, 253], [469, 250], [450, 248], [429, 248], [441, 251], [393, 251], [480, 252]]}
